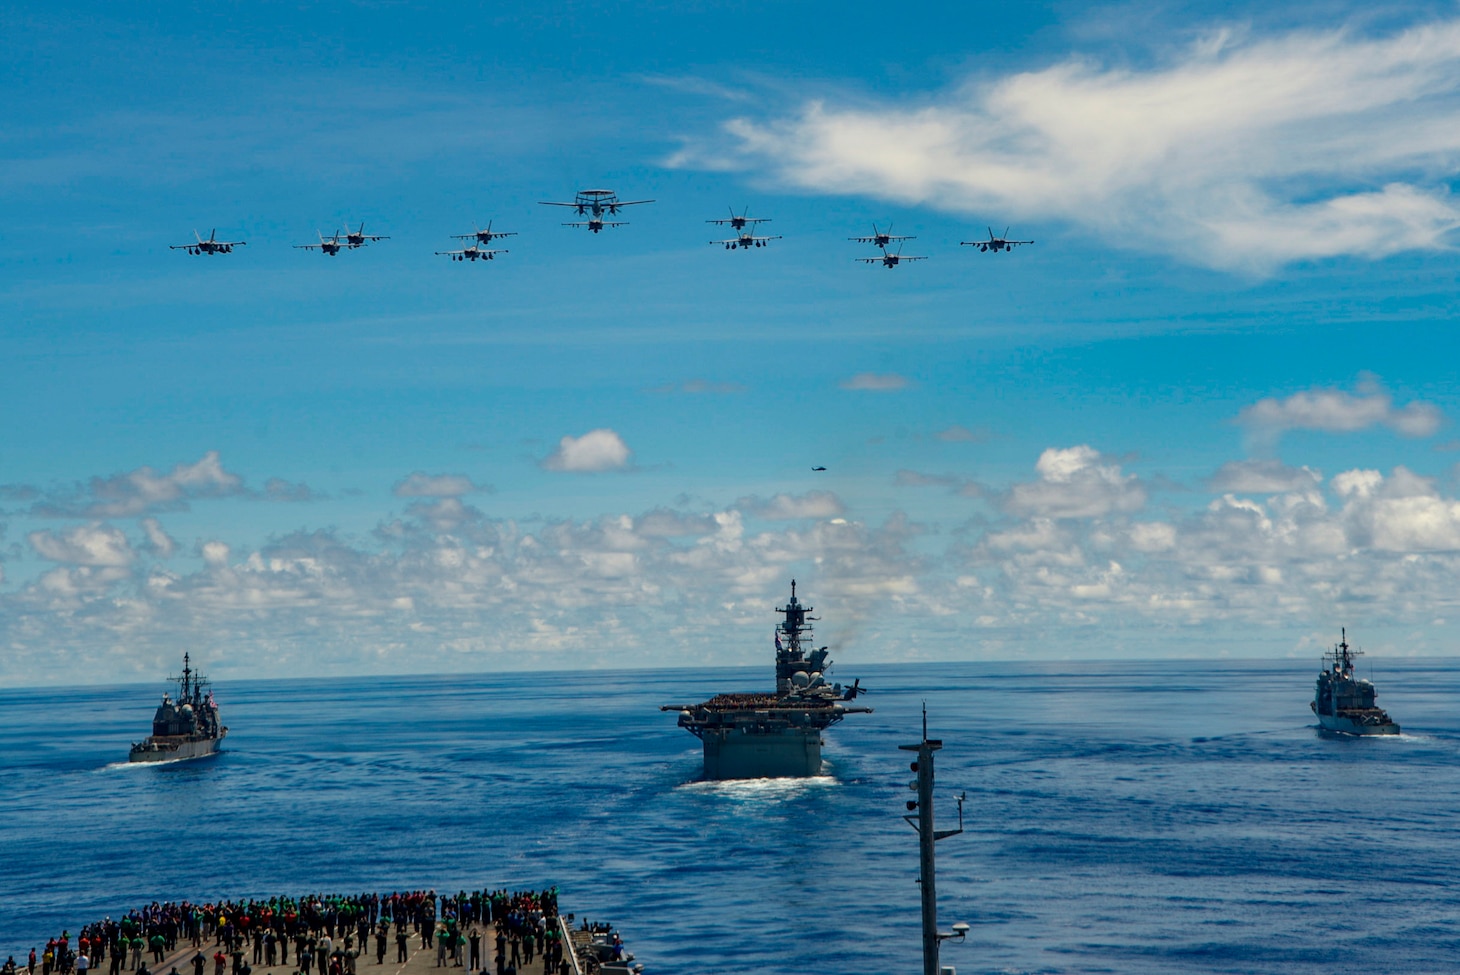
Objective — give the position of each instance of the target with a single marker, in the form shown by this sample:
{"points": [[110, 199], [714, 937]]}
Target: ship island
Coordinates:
{"points": [[1345, 703], [776, 735], [188, 727]]}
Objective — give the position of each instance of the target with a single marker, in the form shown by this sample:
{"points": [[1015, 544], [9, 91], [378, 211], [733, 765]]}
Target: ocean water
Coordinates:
{"points": [[1133, 817]]}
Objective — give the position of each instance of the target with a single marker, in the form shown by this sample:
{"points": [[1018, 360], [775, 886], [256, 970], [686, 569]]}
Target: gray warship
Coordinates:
{"points": [[185, 728], [755, 736], [1345, 703]]}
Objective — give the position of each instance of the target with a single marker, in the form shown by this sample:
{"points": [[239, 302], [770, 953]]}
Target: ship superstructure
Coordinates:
{"points": [[1345, 703], [775, 735], [187, 727]]}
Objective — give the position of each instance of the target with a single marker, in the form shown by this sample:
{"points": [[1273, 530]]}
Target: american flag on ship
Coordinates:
{"points": [[778, 641]]}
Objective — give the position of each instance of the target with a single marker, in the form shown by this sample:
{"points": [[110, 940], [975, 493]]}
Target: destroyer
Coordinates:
{"points": [[1345, 703], [185, 728], [751, 736]]}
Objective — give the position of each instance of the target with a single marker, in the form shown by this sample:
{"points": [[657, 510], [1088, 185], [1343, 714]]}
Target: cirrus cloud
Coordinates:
{"points": [[1237, 152]]}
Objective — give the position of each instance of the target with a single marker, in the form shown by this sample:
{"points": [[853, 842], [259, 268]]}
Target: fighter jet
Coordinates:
{"points": [[880, 238], [358, 238], [593, 204], [739, 221], [210, 246], [890, 258], [745, 240], [473, 253], [995, 244], [485, 236], [329, 246]]}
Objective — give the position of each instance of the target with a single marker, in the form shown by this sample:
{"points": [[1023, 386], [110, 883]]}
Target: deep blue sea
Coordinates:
{"points": [[1135, 817]]}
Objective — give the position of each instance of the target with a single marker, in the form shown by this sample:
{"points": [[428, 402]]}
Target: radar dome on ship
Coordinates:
{"points": [[800, 678]]}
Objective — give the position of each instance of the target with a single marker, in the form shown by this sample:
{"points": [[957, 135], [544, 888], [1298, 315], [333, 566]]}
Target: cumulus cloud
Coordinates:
{"points": [[422, 485], [1336, 411], [1262, 477], [95, 544], [143, 491], [1239, 151], [875, 382], [1076, 482], [785, 507], [159, 542], [596, 450]]}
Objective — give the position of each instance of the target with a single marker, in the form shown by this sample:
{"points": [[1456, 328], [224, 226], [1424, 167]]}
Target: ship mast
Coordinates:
{"points": [[789, 633], [927, 836]]}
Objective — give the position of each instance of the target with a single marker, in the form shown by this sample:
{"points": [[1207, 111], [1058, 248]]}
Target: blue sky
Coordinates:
{"points": [[1209, 411]]}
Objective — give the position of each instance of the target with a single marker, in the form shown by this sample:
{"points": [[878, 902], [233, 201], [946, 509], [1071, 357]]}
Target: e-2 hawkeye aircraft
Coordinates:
{"points": [[593, 204], [210, 246]]}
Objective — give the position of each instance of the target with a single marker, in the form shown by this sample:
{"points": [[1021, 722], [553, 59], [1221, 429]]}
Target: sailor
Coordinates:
{"points": [[400, 943]]}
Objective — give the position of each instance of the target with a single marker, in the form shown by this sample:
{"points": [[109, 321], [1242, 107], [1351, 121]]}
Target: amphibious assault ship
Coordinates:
{"points": [[185, 728], [753, 736], [1345, 703]]}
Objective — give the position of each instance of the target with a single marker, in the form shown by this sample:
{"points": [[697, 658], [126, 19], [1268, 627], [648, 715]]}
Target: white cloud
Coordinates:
{"points": [[1262, 477], [92, 545], [786, 507], [144, 490], [1075, 483], [158, 541], [422, 485], [875, 382], [1335, 411], [1238, 152], [596, 450]]}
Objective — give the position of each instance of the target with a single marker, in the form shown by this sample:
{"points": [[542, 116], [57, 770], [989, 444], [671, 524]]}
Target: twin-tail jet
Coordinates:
{"points": [[358, 238], [593, 204], [890, 258], [473, 253], [484, 236], [880, 238], [210, 246], [744, 226], [995, 244], [329, 246]]}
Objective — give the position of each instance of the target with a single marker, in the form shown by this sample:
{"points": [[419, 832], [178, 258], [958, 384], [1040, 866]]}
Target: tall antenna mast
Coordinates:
{"points": [[927, 836]]}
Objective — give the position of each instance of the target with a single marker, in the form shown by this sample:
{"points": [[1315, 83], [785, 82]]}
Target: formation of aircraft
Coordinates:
{"points": [[328, 246], [593, 204], [597, 205], [882, 239], [995, 244], [744, 226], [210, 246]]}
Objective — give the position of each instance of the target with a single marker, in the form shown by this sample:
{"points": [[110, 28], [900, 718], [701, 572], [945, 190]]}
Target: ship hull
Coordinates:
{"points": [[174, 749], [1348, 726], [733, 753]]}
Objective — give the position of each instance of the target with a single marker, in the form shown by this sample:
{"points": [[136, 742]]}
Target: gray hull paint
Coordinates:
{"points": [[165, 752], [1345, 726], [734, 754]]}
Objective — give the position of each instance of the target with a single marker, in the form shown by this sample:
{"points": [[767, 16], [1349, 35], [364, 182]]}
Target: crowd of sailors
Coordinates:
{"points": [[314, 935]]}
